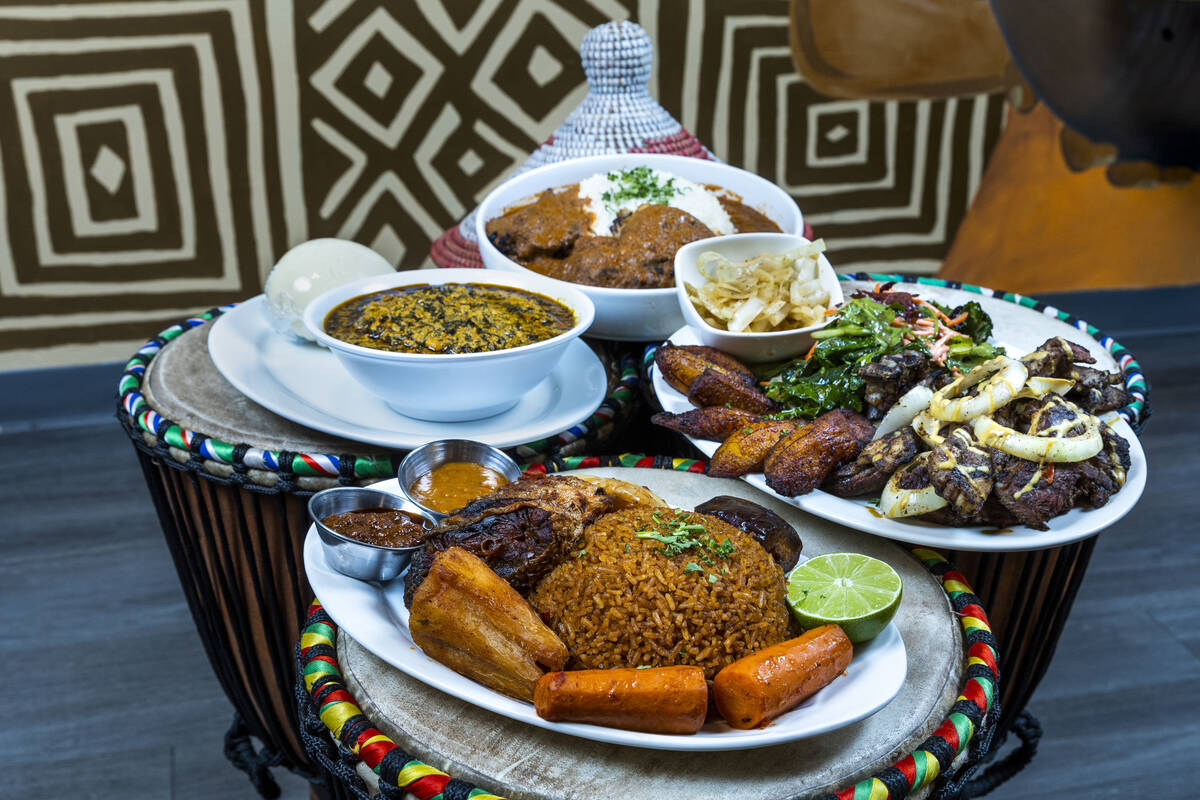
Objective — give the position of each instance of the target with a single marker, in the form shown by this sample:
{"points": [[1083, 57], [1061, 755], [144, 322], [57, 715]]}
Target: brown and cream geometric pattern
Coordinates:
{"points": [[157, 157]]}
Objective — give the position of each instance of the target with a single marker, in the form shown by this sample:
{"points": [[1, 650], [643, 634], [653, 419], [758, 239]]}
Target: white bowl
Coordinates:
{"points": [[751, 347], [454, 387], [631, 315]]}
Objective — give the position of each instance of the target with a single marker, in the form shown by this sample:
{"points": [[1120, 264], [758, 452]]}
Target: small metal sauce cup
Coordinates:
{"points": [[429, 456], [366, 562]]}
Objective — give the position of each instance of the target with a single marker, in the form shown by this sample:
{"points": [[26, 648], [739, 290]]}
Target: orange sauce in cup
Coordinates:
{"points": [[452, 485]]}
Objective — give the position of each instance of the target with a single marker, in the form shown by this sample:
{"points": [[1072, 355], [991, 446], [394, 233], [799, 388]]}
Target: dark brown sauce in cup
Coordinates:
{"points": [[382, 527]]}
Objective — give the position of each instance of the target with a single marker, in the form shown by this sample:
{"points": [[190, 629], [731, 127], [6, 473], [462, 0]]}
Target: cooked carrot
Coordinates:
{"points": [[935, 310], [810, 352], [961, 318]]}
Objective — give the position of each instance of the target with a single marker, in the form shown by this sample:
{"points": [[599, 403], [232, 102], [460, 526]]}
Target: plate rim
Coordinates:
{"points": [[227, 326]]}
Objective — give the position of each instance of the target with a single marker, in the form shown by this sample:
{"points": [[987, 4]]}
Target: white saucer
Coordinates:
{"points": [[305, 383]]}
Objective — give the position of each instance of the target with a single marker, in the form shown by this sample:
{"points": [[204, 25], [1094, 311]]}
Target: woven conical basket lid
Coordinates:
{"points": [[617, 116]]}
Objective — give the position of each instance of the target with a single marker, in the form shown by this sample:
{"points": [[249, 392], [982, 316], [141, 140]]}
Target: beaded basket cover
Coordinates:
{"points": [[617, 116]]}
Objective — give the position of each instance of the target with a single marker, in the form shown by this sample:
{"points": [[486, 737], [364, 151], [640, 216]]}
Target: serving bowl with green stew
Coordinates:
{"points": [[450, 344]]}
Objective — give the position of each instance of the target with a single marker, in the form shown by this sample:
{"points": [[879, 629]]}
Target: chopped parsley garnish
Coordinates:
{"points": [[681, 533], [639, 183]]}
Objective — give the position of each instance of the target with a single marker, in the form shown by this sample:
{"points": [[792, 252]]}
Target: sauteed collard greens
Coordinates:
{"points": [[450, 318], [864, 331]]}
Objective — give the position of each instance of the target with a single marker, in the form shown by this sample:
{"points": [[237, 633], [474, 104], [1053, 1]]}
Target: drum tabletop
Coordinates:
{"points": [[183, 384], [517, 760]]}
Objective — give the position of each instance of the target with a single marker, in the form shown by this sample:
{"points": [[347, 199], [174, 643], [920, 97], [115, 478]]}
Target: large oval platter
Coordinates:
{"points": [[1020, 330], [375, 616]]}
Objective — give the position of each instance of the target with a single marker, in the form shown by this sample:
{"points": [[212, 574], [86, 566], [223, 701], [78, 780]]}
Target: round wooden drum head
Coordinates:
{"points": [[519, 761]]}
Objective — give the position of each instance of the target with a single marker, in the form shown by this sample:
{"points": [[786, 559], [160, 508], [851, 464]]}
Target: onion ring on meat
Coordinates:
{"points": [[897, 502], [1055, 449], [1038, 387], [1004, 377], [928, 428]]}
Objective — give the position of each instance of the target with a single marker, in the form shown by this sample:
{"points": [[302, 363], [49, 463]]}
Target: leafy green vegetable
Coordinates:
{"points": [[829, 379], [978, 324]]}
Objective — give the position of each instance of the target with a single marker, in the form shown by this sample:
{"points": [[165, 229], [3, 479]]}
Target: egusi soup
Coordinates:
{"points": [[449, 318]]}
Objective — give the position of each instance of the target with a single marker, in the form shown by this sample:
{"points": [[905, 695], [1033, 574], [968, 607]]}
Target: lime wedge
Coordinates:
{"points": [[857, 592]]}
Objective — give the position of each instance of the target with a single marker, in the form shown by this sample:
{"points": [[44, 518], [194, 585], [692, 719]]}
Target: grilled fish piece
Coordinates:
{"points": [[800, 461], [960, 470], [466, 617], [715, 387], [876, 462], [713, 423], [744, 450], [680, 365], [521, 531]]}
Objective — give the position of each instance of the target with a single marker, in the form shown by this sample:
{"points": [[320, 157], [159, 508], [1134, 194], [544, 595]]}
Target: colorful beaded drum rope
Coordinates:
{"points": [[398, 770]]}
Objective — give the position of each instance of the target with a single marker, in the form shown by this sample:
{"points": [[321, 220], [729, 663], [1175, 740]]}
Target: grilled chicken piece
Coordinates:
{"points": [[960, 470], [716, 387], [680, 365], [1103, 475], [889, 378], [1033, 493], [1054, 357], [801, 460], [521, 531], [466, 617], [744, 450], [714, 423], [768, 528], [876, 462]]}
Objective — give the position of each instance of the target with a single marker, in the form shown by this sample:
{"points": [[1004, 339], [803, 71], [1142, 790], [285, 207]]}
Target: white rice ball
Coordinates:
{"points": [[310, 269]]}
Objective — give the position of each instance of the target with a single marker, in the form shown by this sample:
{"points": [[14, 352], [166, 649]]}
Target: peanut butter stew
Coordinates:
{"points": [[448, 318], [619, 230]]}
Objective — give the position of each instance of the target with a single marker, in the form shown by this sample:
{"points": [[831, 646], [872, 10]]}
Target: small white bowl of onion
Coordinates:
{"points": [[759, 296]]}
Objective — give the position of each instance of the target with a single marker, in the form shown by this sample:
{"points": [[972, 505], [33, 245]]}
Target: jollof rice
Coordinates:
{"points": [[619, 601]]}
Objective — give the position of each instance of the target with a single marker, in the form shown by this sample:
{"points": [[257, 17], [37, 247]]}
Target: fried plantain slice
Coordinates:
{"points": [[680, 365], [713, 423], [746, 448], [466, 617], [716, 388], [801, 460]]}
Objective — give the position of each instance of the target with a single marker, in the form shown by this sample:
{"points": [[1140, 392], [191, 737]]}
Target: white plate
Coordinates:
{"points": [[1020, 331], [305, 383], [376, 617]]}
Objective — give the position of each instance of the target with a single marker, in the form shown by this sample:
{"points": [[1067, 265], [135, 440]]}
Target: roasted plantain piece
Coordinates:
{"points": [[801, 460], [468, 618], [716, 388], [714, 423], [680, 365], [746, 447]]}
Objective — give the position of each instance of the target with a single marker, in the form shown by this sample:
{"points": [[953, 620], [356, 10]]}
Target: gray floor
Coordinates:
{"points": [[109, 693]]}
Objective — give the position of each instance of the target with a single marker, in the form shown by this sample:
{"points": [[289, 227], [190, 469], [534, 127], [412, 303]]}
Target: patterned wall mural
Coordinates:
{"points": [[157, 157]]}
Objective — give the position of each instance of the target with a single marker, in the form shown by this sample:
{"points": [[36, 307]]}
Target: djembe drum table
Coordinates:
{"points": [[375, 728], [230, 482]]}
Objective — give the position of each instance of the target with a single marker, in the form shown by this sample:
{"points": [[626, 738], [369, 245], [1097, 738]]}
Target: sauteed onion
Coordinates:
{"points": [[1002, 378]]}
